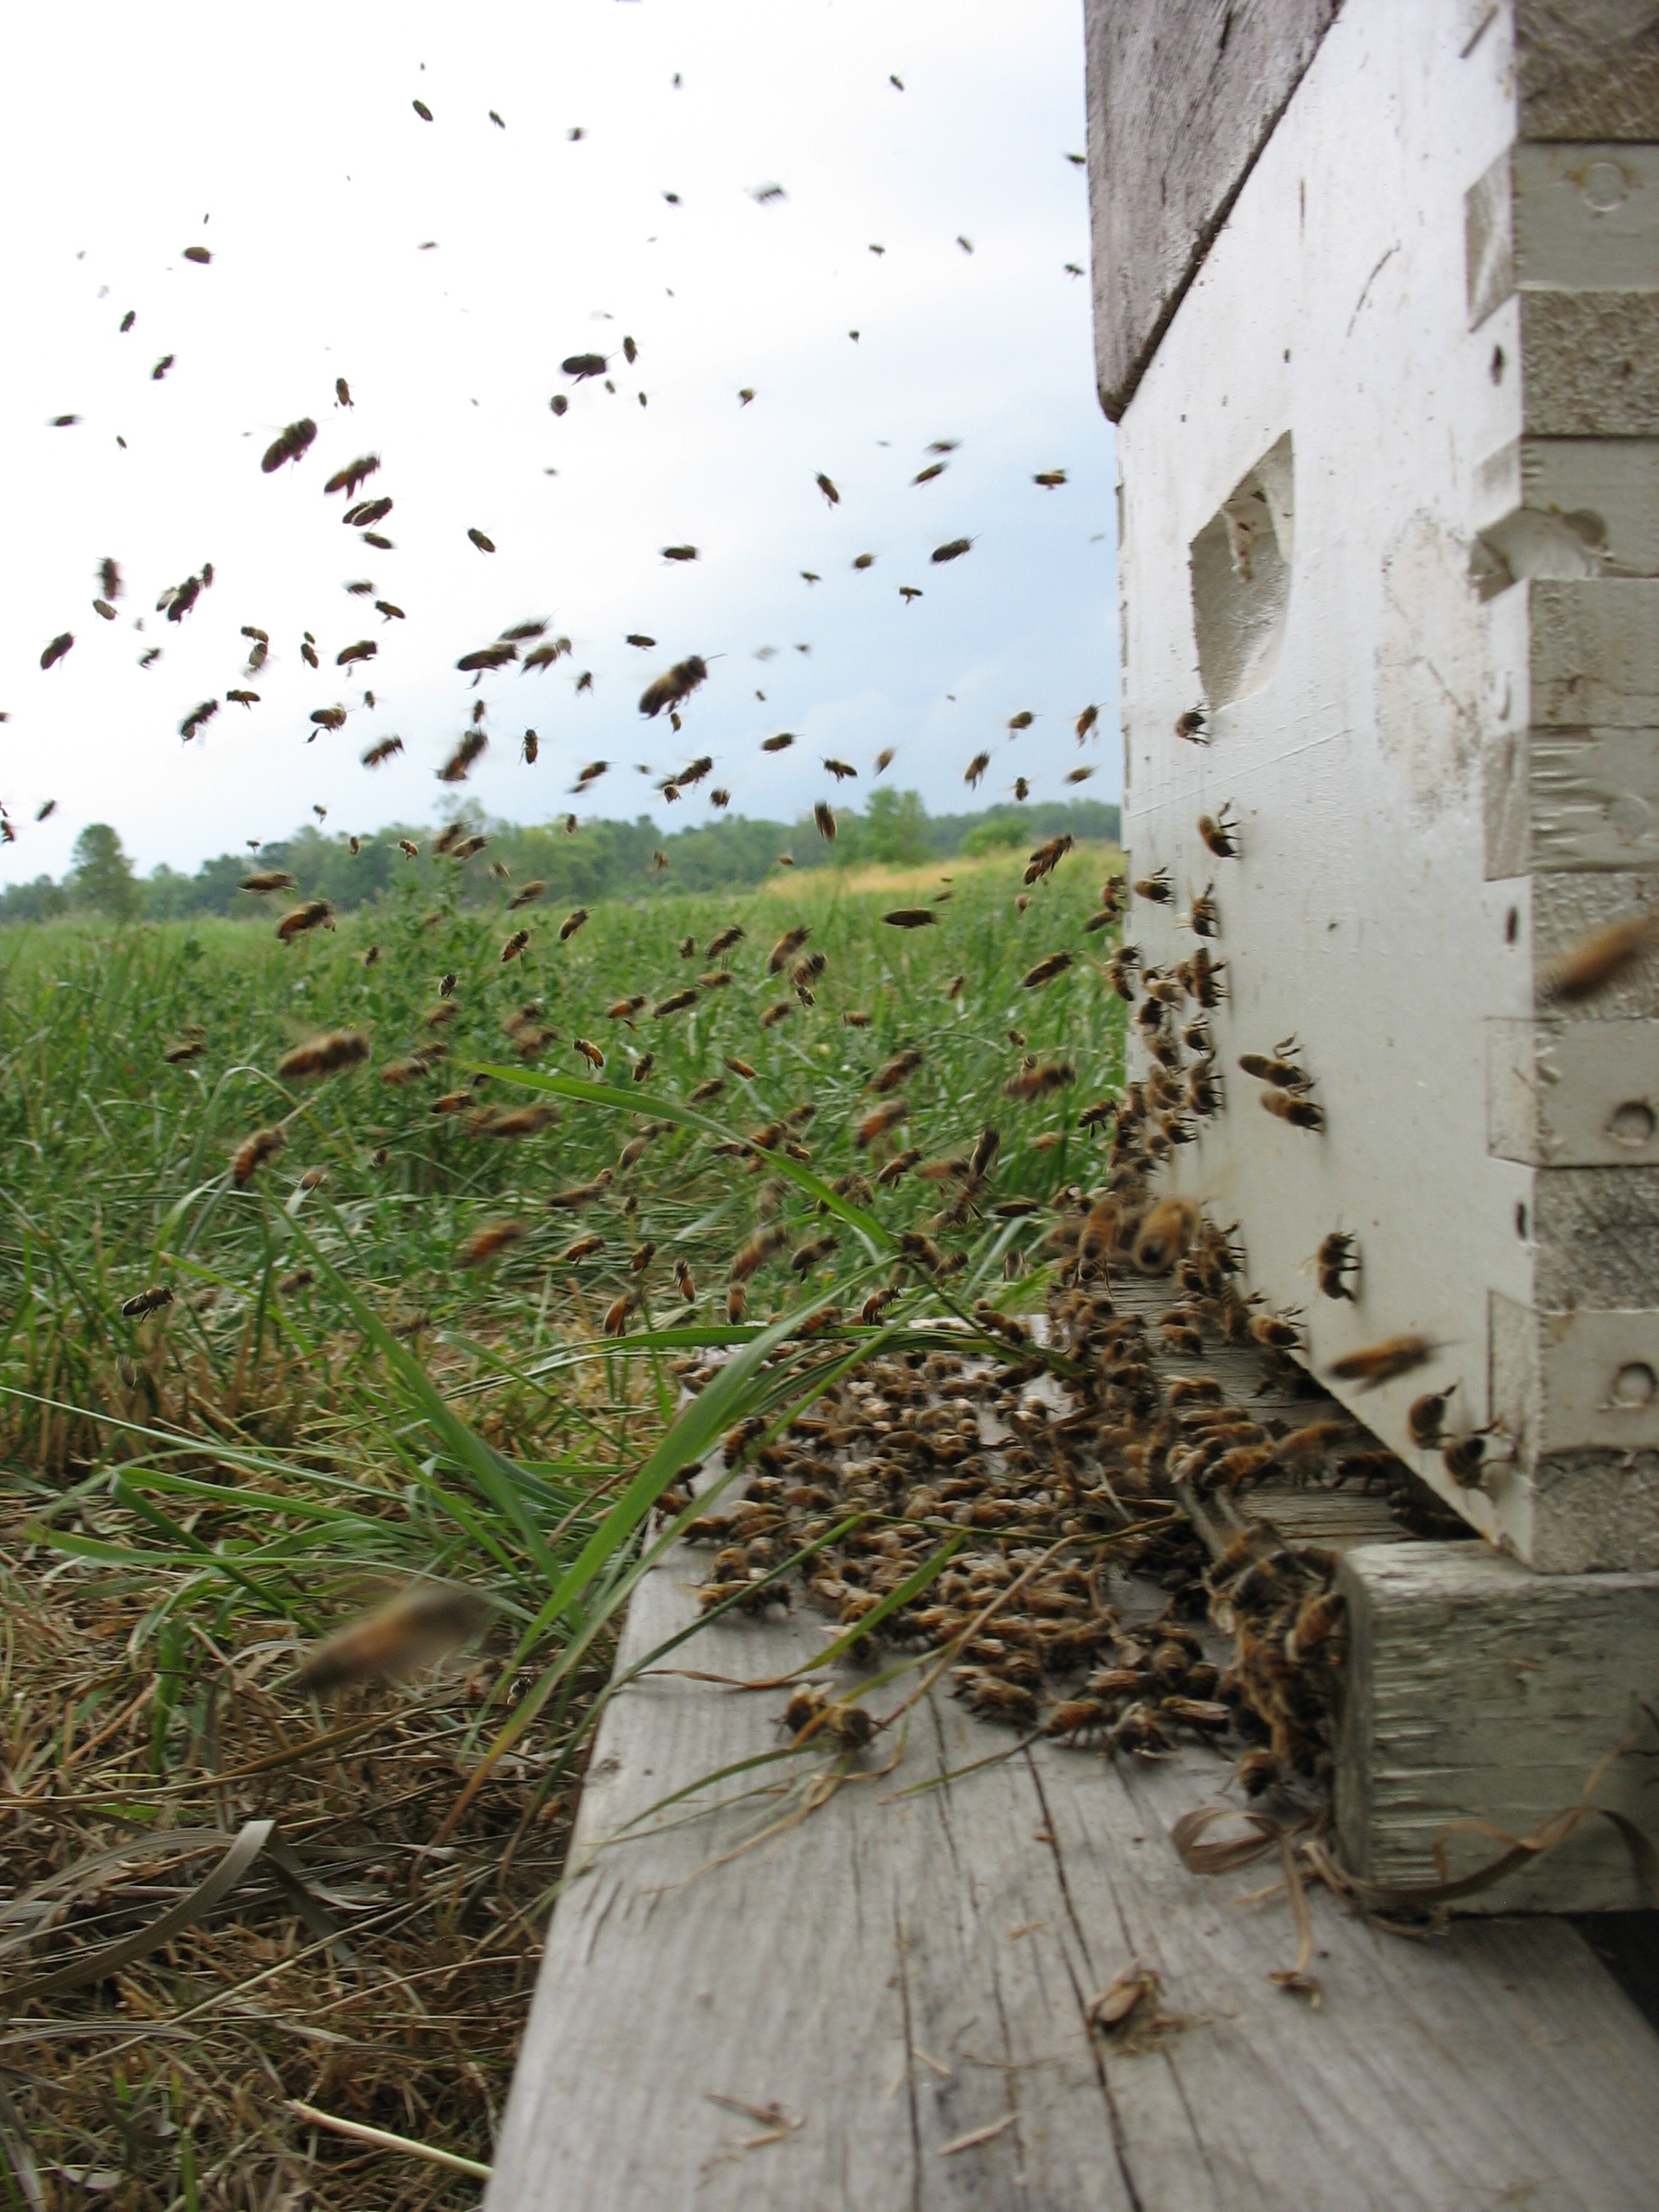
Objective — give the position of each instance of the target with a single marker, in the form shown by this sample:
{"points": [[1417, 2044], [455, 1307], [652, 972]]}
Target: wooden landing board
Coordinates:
{"points": [[905, 1978]]}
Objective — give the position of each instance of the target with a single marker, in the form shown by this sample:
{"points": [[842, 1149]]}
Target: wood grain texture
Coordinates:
{"points": [[1477, 1690], [897, 1974], [1182, 97]]}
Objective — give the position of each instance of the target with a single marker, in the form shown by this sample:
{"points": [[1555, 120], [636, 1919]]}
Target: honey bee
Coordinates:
{"points": [[355, 473], [1155, 888], [894, 1073], [676, 1003], [515, 1121], [271, 880], [953, 550], [590, 1052], [1037, 1079], [323, 1055], [1425, 1418], [1332, 1262], [737, 1304], [252, 1153], [879, 1120], [1046, 859], [451, 1102], [1056, 963], [148, 1302], [488, 1242], [975, 769], [530, 746], [1295, 1107], [568, 1199], [625, 1009], [289, 445], [911, 917], [1164, 1234], [315, 914], [420, 1626], [515, 945], [1377, 1363], [643, 1066], [785, 950], [809, 1255], [1205, 918], [1190, 726], [1276, 1333], [753, 1255], [584, 1248], [741, 1067], [1586, 969], [410, 852], [1465, 1459]]}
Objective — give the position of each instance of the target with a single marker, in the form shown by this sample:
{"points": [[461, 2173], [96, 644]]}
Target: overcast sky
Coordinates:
{"points": [[294, 134]]}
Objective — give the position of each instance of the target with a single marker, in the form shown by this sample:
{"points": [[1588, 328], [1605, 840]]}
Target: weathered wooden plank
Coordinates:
{"points": [[1477, 1690], [1182, 98], [898, 1972]]}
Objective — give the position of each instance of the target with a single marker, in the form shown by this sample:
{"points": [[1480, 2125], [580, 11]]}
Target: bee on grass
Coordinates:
{"points": [[420, 1626], [148, 1302]]}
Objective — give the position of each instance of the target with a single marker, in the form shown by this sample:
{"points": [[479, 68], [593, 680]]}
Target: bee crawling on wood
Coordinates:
{"points": [[1190, 726], [1220, 833], [420, 1626], [813, 1713], [1333, 1262], [1425, 1418]]}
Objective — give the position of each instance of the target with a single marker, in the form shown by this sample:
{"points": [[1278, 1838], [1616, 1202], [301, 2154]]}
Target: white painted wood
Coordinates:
{"points": [[1567, 1095], [898, 1973], [1476, 1691], [1442, 745]]}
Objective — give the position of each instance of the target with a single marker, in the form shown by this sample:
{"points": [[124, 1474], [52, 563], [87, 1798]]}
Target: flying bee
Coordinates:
{"points": [[899, 1166], [488, 1242], [1056, 963], [1587, 968], [894, 1073], [590, 1052], [1037, 1079], [1164, 1234], [803, 1261], [315, 914], [515, 945], [355, 473], [1335, 1260], [148, 1302], [323, 1055], [753, 1255], [741, 1067], [786, 949], [975, 769], [420, 1626], [879, 1120], [824, 815], [676, 1003], [253, 1152], [1220, 833], [289, 445], [1376, 1363], [1425, 1418], [911, 917]]}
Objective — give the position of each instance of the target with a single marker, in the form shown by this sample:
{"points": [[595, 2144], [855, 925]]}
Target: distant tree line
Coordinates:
{"points": [[600, 859]]}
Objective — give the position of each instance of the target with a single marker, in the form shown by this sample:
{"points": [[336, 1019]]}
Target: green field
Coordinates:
{"points": [[334, 1401]]}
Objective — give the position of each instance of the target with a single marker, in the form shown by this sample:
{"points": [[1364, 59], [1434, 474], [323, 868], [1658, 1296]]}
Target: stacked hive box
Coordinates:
{"points": [[1377, 305]]}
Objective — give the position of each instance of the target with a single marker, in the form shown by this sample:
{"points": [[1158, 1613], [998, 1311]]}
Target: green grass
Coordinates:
{"points": [[327, 1338], [333, 1402]]}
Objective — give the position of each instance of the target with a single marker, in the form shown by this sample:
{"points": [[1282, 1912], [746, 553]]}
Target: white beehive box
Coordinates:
{"points": [[1390, 516]]}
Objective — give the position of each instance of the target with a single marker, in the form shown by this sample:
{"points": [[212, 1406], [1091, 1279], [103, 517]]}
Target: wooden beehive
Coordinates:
{"points": [[1387, 380]]}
